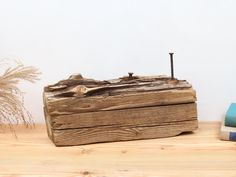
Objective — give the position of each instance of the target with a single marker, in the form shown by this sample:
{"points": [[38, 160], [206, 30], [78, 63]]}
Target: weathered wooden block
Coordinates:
{"points": [[83, 111]]}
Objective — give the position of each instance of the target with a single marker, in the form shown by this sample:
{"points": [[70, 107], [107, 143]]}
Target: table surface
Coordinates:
{"points": [[197, 154]]}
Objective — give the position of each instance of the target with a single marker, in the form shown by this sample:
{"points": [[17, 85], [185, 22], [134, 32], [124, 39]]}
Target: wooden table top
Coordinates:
{"points": [[198, 154]]}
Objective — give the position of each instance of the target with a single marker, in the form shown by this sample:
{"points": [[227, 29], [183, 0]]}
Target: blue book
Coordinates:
{"points": [[227, 133], [230, 117]]}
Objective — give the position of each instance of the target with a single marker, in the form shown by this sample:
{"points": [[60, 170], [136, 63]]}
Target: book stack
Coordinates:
{"points": [[228, 127]]}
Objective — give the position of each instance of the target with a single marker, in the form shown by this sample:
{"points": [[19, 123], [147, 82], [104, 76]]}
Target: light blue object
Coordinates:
{"points": [[230, 117]]}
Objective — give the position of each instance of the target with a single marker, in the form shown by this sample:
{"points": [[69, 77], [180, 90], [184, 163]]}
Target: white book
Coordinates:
{"points": [[227, 133]]}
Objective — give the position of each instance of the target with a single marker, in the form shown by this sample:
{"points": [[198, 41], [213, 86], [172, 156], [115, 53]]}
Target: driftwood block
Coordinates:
{"points": [[83, 111]]}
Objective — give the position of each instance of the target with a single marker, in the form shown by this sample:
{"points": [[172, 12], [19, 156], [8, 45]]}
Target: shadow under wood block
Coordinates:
{"points": [[83, 111]]}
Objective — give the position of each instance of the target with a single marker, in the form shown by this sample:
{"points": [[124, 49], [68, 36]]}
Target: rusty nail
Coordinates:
{"points": [[172, 65], [130, 74]]}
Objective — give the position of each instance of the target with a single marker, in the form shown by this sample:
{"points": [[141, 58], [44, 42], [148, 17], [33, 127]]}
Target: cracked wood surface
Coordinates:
{"points": [[87, 95]]}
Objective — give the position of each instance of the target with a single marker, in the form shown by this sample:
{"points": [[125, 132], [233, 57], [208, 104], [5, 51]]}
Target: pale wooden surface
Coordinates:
{"points": [[199, 154]]}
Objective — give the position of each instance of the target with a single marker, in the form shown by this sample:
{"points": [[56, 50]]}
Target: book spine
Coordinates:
{"points": [[232, 136]]}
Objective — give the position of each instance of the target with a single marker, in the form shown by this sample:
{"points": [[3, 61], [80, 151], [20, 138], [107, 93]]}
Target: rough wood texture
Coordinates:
{"points": [[71, 105], [196, 154], [82, 111], [147, 116], [111, 133], [115, 94]]}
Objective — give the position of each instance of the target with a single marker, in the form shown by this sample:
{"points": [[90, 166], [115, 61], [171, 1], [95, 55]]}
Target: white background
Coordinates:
{"points": [[104, 39]]}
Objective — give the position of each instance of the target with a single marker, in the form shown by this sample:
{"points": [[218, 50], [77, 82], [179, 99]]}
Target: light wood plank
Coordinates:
{"points": [[189, 155]]}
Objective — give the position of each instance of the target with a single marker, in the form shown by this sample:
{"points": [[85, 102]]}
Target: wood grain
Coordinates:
{"points": [[190, 155], [72, 105], [78, 94], [70, 137], [121, 125], [86, 87], [147, 116]]}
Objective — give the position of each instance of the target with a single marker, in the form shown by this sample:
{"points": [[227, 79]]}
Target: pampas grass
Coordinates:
{"points": [[12, 109]]}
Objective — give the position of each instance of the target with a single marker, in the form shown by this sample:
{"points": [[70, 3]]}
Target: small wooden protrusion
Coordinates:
{"points": [[76, 76]]}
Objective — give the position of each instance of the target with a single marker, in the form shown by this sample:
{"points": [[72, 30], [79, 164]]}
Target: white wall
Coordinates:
{"points": [[104, 39]]}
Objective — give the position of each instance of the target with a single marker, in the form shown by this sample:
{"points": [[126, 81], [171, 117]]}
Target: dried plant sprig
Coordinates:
{"points": [[12, 109]]}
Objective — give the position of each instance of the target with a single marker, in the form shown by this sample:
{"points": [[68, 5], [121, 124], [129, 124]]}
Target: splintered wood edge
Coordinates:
{"points": [[87, 87], [79, 80]]}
